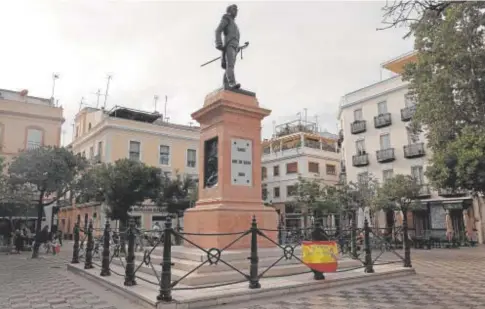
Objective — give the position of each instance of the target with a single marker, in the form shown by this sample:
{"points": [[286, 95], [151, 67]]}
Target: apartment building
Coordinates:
{"points": [[375, 139], [106, 136], [27, 122], [296, 150]]}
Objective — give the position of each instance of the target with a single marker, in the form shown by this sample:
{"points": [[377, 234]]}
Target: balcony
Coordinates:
{"points": [[360, 160], [424, 191], [358, 126], [448, 192], [383, 120], [408, 112], [385, 155], [414, 150]]}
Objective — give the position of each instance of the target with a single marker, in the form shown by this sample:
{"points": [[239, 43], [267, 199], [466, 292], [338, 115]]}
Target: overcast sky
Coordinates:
{"points": [[301, 54]]}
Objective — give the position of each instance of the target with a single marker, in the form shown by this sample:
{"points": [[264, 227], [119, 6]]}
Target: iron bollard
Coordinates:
{"points": [[318, 234], [254, 259], [166, 279], [130, 256], [369, 268], [407, 249], [75, 252], [105, 271], [353, 238], [86, 222], [88, 262]]}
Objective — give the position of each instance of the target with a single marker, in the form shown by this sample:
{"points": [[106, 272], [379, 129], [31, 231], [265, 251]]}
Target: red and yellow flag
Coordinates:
{"points": [[321, 256]]}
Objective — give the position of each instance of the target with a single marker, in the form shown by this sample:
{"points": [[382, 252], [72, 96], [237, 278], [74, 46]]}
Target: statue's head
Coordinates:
{"points": [[232, 10]]}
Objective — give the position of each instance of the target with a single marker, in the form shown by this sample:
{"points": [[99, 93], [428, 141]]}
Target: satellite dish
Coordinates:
{"points": [[24, 92]]}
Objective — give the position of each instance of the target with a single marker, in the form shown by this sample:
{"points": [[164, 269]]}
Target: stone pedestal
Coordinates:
{"points": [[234, 118]]}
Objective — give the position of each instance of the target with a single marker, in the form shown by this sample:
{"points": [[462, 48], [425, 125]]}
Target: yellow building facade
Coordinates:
{"points": [[27, 122]]}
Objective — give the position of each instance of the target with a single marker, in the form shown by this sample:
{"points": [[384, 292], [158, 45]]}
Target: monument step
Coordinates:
{"points": [[230, 275]]}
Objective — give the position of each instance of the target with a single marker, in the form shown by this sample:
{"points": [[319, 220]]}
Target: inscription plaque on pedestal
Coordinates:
{"points": [[241, 162]]}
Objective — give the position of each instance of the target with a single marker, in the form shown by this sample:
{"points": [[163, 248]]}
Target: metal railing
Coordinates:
{"points": [[385, 155], [382, 120], [358, 126], [366, 246]]}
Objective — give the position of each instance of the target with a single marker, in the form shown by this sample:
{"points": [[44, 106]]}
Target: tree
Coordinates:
{"points": [[49, 171], [124, 184], [447, 84], [399, 193], [176, 194]]}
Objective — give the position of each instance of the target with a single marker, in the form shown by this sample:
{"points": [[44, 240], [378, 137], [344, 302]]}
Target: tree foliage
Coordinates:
{"points": [[177, 194], [123, 184], [397, 193], [447, 83]]}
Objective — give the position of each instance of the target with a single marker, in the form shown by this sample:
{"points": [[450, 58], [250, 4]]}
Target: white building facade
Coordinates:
{"points": [[375, 141], [296, 150]]}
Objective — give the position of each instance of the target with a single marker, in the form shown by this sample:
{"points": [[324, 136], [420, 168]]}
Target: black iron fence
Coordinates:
{"points": [[365, 247]]}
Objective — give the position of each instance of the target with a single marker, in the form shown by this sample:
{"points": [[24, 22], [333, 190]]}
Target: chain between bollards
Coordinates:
{"points": [[130, 256], [369, 268], [254, 259], [105, 271], [166, 279], [75, 252], [88, 262]]}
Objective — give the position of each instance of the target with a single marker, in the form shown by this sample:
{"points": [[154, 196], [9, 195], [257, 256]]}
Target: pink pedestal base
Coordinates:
{"points": [[223, 219]]}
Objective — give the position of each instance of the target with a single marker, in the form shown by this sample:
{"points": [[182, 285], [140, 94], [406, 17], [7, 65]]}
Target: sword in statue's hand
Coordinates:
{"points": [[239, 49]]}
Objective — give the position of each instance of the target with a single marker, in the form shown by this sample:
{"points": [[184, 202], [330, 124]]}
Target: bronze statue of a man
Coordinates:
{"points": [[230, 48]]}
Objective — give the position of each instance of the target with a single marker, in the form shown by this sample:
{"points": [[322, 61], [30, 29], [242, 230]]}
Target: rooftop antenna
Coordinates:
{"points": [[274, 128], [98, 94], [190, 123], [165, 109], [155, 100], [316, 121], [81, 103], [54, 77], [305, 109], [107, 89]]}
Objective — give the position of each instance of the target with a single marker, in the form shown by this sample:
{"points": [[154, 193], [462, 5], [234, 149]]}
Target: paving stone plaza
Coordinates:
{"points": [[446, 279]]}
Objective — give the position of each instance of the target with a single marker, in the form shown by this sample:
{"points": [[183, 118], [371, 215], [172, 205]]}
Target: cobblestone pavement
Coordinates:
{"points": [[46, 284], [446, 279]]}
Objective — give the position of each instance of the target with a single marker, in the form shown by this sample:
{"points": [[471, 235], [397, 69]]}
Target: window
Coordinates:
{"points": [[362, 177], [91, 152], [408, 100], [264, 173], [77, 131], [276, 170], [313, 168], [276, 192], [382, 108], [292, 168], [412, 137], [134, 151], [164, 155], [387, 174], [264, 193], [331, 169], [358, 114], [360, 147], [417, 174], [34, 138], [89, 127], [191, 157], [385, 141], [291, 190], [100, 150]]}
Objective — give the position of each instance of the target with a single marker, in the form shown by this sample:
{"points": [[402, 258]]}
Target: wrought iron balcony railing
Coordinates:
{"points": [[414, 150], [385, 155], [358, 126], [360, 160], [383, 120]]}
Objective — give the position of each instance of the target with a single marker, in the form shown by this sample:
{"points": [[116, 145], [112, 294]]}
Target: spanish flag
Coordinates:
{"points": [[321, 256]]}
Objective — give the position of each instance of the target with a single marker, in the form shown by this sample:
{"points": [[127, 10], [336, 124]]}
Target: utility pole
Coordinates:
{"points": [[54, 77], [107, 89], [165, 109], [155, 100]]}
